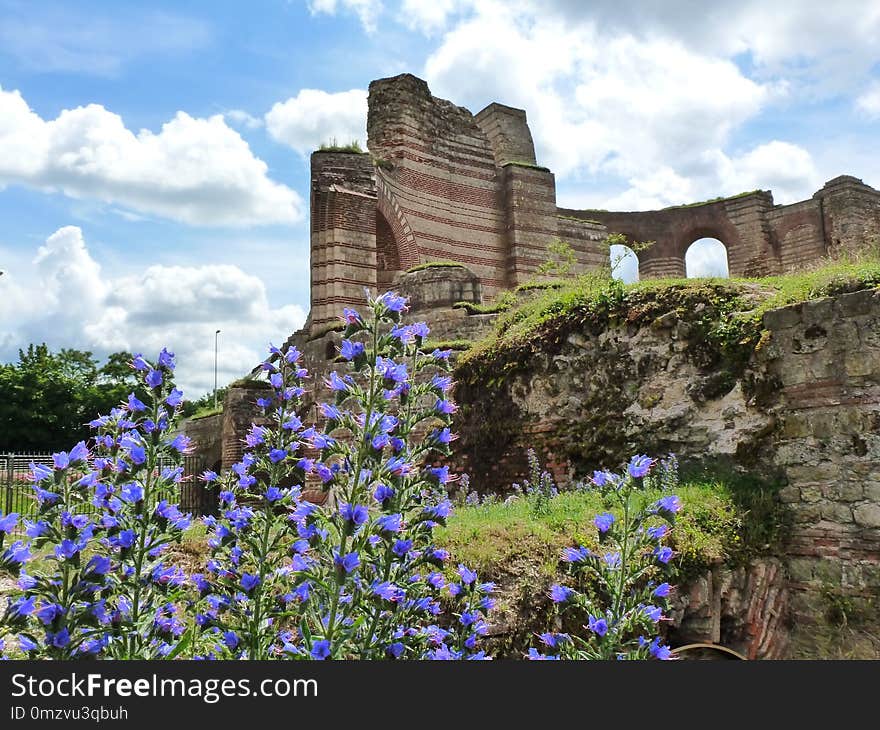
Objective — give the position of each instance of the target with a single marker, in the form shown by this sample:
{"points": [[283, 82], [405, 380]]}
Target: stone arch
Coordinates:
{"points": [[389, 212], [707, 256]]}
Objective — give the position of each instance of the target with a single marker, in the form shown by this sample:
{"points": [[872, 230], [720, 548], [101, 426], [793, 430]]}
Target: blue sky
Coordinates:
{"points": [[154, 156]]}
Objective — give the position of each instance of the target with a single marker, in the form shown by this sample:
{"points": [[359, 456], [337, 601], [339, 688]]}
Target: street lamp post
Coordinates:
{"points": [[215, 368]]}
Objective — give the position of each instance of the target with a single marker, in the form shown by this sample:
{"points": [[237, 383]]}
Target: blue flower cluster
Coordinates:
{"points": [[359, 575], [107, 591], [617, 592]]}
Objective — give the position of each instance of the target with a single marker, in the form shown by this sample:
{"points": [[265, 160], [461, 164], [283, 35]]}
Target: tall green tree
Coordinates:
{"points": [[47, 398]]}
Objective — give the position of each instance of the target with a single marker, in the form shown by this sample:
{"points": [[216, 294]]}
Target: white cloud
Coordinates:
{"points": [[610, 103], [65, 300], [243, 119], [428, 17], [824, 44], [869, 101], [786, 169], [367, 11], [197, 171], [313, 117]]}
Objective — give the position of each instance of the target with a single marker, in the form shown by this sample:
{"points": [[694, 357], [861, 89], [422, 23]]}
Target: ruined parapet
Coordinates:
{"points": [[850, 214], [587, 239], [343, 232], [439, 182], [508, 132], [206, 435], [240, 410], [529, 197], [439, 286]]}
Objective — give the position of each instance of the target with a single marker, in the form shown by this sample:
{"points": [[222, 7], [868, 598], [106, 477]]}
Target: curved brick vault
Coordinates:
{"points": [[440, 183]]}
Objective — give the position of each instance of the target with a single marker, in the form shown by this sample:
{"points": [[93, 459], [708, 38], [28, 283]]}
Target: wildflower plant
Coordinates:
{"points": [[359, 575], [105, 517], [618, 596], [539, 487]]}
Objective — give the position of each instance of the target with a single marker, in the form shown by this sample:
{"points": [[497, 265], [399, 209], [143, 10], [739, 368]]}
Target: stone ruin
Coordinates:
{"points": [[442, 184]]}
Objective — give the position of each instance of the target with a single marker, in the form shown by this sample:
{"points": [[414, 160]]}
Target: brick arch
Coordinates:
{"points": [[725, 233], [389, 209], [721, 231]]}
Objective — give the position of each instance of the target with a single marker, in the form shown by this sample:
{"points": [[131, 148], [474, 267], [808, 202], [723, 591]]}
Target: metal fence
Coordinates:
{"points": [[17, 488]]}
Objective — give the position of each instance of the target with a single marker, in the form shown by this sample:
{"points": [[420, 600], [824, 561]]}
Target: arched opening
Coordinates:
{"points": [[387, 256], [706, 257], [624, 263]]}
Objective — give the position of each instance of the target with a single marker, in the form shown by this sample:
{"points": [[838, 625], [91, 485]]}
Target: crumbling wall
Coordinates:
{"points": [[804, 411]]}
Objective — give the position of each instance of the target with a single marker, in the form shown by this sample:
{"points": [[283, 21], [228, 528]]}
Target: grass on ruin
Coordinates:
{"points": [[698, 203], [719, 521], [458, 345], [207, 411], [736, 304], [435, 265], [333, 146]]}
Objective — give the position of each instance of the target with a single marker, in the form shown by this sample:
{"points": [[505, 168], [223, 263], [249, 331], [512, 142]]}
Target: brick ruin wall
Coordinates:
{"points": [[760, 238], [440, 183]]}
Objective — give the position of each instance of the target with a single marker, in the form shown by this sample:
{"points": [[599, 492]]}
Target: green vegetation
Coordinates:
{"points": [[561, 258], [726, 313], [323, 329], [712, 200], [47, 398], [332, 146], [581, 220], [435, 265], [730, 521], [431, 345], [538, 285], [490, 308], [504, 302], [204, 406], [523, 163], [205, 412]]}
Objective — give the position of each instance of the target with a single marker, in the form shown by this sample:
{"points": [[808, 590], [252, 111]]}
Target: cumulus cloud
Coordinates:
{"points": [[869, 102], [196, 171], [824, 45], [429, 17], [367, 11], [314, 117], [66, 300], [645, 113]]}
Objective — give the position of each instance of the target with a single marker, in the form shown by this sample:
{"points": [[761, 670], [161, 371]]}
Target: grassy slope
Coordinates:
{"points": [[739, 303]]}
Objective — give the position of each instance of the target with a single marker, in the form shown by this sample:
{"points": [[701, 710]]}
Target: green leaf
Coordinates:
{"points": [[182, 645]]}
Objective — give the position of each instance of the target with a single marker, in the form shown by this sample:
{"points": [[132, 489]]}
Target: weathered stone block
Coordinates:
{"points": [[867, 515]]}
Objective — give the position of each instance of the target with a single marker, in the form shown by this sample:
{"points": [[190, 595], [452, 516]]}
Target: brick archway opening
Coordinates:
{"points": [[624, 263], [387, 254], [707, 256]]}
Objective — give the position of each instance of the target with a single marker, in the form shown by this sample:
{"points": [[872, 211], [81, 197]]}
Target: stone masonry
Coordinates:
{"points": [[804, 413]]}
